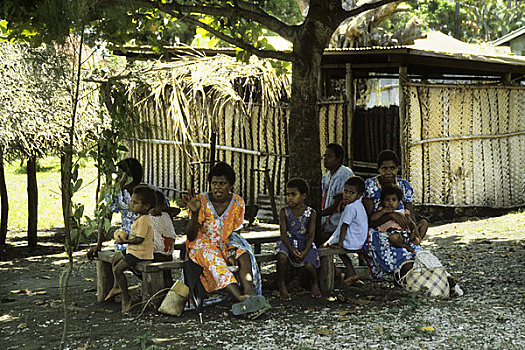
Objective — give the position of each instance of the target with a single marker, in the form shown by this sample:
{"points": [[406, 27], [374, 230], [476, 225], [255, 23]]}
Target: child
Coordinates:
{"points": [[139, 243], [297, 224], [163, 235], [391, 196], [352, 230]]}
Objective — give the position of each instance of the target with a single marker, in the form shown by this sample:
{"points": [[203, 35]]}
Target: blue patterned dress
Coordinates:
{"points": [[384, 258], [297, 232]]}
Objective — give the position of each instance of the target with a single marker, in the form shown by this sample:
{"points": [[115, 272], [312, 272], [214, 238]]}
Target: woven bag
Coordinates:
{"points": [[427, 275], [173, 303]]}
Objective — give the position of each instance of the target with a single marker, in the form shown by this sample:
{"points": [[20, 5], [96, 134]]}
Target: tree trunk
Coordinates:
{"points": [[303, 123], [4, 203], [457, 24], [32, 203]]}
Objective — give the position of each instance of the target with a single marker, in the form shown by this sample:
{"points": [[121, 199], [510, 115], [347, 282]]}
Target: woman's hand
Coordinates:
{"points": [[192, 201]]}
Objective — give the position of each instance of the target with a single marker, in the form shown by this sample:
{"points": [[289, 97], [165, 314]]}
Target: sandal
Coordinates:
{"points": [[258, 313], [250, 305]]}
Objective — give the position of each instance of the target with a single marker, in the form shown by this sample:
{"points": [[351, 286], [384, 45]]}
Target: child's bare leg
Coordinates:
{"points": [[282, 266], [122, 283], [115, 290], [397, 241], [422, 227], [316, 292], [352, 275], [245, 273]]}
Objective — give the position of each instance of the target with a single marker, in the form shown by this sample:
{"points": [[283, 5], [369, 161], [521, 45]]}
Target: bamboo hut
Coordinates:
{"points": [[199, 109], [452, 111]]}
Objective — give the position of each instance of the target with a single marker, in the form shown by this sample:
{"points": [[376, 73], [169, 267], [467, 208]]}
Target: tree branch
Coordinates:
{"points": [[278, 55], [242, 9], [342, 14]]}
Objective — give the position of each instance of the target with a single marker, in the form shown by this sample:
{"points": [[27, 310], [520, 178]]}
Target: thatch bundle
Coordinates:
{"points": [[191, 92], [36, 102]]}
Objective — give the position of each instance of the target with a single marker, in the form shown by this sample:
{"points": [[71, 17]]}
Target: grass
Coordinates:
{"points": [[49, 197]]}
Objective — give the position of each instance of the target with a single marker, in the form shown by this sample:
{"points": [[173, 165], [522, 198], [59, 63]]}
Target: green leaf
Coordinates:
{"points": [[77, 185]]}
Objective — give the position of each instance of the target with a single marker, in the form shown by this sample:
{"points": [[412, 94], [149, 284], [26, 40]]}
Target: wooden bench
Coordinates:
{"points": [[153, 282]]}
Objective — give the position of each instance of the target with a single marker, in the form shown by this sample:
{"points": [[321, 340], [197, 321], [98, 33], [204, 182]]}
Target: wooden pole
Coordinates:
{"points": [[32, 202], [350, 105], [4, 203], [403, 79]]}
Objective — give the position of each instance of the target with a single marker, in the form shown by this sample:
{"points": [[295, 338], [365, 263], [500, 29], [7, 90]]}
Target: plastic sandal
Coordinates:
{"points": [[248, 306]]}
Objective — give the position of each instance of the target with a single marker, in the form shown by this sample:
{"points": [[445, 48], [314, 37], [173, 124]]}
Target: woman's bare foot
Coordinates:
{"points": [[316, 293], [283, 295], [126, 304], [244, 297], [113, 293]]}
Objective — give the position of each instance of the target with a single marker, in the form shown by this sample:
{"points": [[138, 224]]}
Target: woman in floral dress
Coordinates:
{"points": [[383, 256], [213, 239]]}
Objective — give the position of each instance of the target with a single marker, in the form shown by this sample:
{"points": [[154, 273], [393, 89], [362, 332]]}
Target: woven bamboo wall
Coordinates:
{"points": [[465, 145], [168, 167]]}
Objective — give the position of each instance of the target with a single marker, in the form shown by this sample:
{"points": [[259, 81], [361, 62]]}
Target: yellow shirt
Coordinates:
{"points": [[142, 227]]}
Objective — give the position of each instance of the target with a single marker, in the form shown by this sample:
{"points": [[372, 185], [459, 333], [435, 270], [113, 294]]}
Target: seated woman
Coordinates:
{"points": [[212, 237], [385, 258]]}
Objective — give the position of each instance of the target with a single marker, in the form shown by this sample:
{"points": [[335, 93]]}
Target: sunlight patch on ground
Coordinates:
{"points": [[8, 318]]}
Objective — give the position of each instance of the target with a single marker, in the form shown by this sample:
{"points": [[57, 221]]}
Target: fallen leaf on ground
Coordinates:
{"points": [[20, 291], [344, 318], [428, 329], [324, 331], [22, 325], [343, 312], [89, 279]]}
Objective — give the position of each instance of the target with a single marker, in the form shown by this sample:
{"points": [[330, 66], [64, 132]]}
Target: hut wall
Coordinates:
{"points": [[260, 142], [465, 145]]}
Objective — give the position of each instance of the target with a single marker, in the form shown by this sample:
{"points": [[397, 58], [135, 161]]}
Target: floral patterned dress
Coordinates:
{"points": [[213, 240], [384, 258]]}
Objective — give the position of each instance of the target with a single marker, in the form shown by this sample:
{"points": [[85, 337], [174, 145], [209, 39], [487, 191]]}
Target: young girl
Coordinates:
{"points": [[139, 243], [352, 229], [391, 196], [163, 235], [297, 224]]}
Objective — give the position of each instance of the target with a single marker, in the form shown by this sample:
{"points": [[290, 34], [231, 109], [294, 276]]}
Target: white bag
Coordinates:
{"points": [[173, 303]]}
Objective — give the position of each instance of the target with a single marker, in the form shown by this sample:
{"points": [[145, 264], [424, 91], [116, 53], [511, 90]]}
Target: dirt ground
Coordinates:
{"points": [[486, 255]]}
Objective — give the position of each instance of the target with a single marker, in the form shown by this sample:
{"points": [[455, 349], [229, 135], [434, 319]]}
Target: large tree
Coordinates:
{"points": [[237, 22]]}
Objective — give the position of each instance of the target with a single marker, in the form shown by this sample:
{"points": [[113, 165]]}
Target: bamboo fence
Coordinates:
{"points": [[466, 145]]}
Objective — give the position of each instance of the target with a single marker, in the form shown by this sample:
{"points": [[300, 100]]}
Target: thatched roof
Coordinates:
{"points": [[194, 88], [36, 102]]}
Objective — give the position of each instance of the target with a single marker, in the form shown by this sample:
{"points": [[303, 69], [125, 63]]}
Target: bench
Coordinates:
{"points": [[153, 282]]}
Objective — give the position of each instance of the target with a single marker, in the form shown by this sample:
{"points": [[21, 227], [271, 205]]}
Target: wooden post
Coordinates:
{"points": [[104, 279], [327, 273], [32, 202], [152, 283], [4, 203], [350, 105], [403, 79], [271, 193]]}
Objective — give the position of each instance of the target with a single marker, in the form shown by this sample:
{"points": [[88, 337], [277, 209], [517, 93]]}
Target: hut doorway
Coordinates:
{"points": [[375, 124]]}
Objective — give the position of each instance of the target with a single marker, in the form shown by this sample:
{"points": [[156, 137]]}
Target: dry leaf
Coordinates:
{"points": [[343, 312], [324, 331], [344, 318], [428, 329], [89, 279]]}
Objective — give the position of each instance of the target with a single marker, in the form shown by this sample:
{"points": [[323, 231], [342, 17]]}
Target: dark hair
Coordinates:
{"points": [[391, 189], [146, 194], [300, 184], [339, 151], [357, 182], [222, 169], [160, 198], [132, 168], [386, 155]]}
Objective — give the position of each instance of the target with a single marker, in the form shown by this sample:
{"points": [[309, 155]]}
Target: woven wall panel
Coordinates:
{"points": [[458, 145]]}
